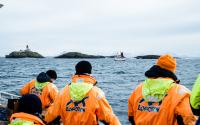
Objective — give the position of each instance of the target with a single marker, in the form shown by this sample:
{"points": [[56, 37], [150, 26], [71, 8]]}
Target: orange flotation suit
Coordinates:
{"points": [[175, 103], [93, 107], [47, 95]]}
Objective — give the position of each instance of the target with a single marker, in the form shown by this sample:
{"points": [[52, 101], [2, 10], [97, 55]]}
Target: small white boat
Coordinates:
{"points": [[120, 57]]}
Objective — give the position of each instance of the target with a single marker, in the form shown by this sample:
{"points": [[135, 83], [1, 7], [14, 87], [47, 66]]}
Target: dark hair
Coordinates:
{"points": [[30, 104], [52, 74], [156, 72], [83, 67], [43, 77]]}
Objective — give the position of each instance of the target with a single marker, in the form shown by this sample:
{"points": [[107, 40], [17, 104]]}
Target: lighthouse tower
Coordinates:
{"points": [[27, 48]]}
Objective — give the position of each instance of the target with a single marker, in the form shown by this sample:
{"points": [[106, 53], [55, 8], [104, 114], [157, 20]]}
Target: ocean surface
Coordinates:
{"points": [[116, 78]]}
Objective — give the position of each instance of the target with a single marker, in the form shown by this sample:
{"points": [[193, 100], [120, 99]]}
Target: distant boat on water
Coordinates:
{"points": [[120, 57]]}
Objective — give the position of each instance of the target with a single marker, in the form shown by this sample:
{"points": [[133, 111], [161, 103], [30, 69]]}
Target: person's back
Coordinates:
{"points": [[83, 111], [168, 111], [30, 108], [43, 88], [159, 100], [82, 103]]}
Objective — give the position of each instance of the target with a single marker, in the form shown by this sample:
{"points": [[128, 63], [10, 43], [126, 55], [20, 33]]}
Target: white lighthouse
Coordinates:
{"points": [[27, 48]]}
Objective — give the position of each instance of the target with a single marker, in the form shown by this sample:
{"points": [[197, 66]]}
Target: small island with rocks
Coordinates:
{"points": [[27, 53], [77, 55], [148, 57]]}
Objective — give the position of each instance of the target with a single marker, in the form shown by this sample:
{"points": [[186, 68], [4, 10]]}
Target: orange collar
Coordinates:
{"points": [[85, 78]]}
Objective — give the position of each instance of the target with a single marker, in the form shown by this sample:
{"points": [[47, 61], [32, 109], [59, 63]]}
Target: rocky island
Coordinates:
{"points": [[24, 54], [148, 57], [78, 55]]}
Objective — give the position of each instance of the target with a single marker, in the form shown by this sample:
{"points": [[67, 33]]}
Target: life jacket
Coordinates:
{"points": [[195, 96], [25, 119], [160, 112], [83, 78], [47, 93], [81, 104]]}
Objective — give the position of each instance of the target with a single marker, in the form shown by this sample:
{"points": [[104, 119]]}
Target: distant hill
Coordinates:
{"points": [[78, 55], [148, 57], [24, 54], [151, 57], [110, 56]]}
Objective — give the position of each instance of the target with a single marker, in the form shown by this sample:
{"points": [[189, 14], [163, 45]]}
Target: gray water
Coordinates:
{"points": [[116, 78]]}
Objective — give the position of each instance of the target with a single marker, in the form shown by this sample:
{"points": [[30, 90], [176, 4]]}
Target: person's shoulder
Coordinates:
{"points": [[64, 90], [181, 89], [138, 88], [136, 91], [52, 85], [98, 92], [32, 82]]}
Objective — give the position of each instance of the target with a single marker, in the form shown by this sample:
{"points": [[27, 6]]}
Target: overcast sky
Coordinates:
{"points": [[101, 26]]}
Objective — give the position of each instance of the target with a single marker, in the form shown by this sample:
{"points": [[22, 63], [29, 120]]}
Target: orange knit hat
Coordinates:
{"points": [[167, 62]]}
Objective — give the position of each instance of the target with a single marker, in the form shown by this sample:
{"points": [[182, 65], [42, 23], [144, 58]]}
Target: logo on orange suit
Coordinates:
{"points": [[73, 106], [149, 106]]}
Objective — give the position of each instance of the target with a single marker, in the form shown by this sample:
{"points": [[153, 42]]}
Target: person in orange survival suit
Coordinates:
{"points": [[160, 100], [43, 87], [29, 111], [82, 103]]}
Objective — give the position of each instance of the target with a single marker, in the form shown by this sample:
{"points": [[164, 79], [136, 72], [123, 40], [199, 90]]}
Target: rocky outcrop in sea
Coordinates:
{"points": [[78, 55]]}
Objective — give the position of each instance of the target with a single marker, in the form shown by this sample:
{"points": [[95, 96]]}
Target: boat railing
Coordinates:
{"points": [[4, 96]]}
